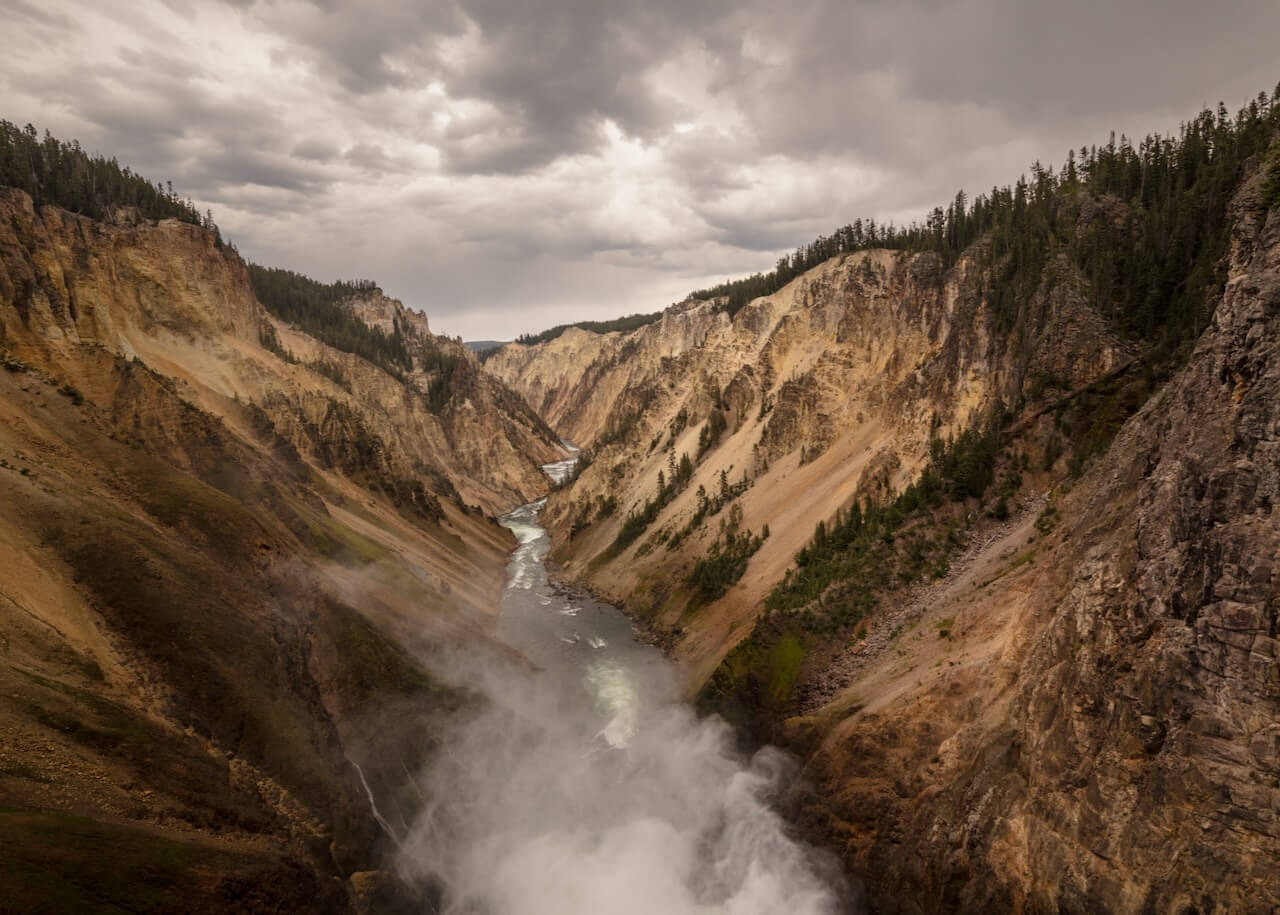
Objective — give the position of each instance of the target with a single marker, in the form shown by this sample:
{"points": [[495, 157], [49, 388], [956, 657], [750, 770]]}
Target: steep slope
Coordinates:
{"points": [[228, 574], [832, 387], [170, 295], [1086, 719], [1028, 653]]}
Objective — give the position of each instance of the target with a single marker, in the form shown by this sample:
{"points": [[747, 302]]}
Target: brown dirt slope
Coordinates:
{"points": [[1083, 716], [224, 581], [830, 388]]}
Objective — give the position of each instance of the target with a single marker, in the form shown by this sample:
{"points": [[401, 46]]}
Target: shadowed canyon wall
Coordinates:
{"points": [[226, 573]]}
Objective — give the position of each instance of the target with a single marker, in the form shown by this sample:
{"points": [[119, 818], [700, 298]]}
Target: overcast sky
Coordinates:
{"points": [[506, 165]]}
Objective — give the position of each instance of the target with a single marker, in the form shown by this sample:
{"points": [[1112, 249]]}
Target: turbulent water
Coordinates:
{"points": [[589, 788]]}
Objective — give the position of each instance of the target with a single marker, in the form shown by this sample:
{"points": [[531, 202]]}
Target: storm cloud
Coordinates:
{"points": [[505, 165]]}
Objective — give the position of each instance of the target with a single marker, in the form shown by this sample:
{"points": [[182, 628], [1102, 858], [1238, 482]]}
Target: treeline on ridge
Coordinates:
{"points": [[629, 322], [1147, 229], [1145, 224], [64, 175], [322, 310]]}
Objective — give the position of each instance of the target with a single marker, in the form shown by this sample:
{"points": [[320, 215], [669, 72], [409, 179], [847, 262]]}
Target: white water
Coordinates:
{"points": [[589, 788]]}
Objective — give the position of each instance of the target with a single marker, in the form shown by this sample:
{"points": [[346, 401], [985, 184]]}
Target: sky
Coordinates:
{"points": [[508, 165]]}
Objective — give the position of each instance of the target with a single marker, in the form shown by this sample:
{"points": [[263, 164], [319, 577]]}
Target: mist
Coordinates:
{"points": [[544, 803], [588, 787]]}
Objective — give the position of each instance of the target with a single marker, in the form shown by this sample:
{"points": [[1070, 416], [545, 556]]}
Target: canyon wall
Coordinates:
{"points": [[1075, 708], [830, 389], [1084, 717], [228, 575]]}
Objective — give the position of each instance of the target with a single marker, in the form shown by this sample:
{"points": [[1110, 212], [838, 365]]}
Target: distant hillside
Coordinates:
{"points": [[484, 346], [628, 322]]}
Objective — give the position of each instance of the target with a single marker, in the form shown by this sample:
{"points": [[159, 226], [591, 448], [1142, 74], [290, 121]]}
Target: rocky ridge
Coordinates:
{"points": [[168, 295]]}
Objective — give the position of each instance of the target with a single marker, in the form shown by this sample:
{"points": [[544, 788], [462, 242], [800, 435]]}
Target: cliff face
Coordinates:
{"points": [[576, 380], [228, 577], [166, 294], [1097, 730], [829, 389], [1079, 711]]}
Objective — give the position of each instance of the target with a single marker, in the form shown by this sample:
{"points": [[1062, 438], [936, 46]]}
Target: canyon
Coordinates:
{"points": [[1074, 707], [300, 598]]}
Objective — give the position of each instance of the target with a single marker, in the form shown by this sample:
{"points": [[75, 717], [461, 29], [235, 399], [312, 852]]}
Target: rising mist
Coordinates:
{"points": [[587, 787]]}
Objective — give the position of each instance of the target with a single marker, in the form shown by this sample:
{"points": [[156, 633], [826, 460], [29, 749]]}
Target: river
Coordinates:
{"points": [[589, 788]]}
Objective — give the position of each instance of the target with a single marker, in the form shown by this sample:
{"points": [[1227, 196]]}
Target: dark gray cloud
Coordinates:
{"points": [[365, 46], [316, 149], [544, 75], [554, 71], [506, 165]]}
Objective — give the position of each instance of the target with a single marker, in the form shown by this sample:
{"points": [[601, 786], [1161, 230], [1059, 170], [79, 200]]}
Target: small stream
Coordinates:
{"points": [[589, 788]]}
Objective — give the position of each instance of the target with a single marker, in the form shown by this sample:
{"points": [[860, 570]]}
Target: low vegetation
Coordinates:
{"points": [[1145, 223], [670, 483], [270, 340], [871, 547], [333, 371], [710, 505], [726, 561]]}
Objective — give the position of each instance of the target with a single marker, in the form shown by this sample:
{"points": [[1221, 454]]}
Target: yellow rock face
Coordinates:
{"points": [[831, 389]]}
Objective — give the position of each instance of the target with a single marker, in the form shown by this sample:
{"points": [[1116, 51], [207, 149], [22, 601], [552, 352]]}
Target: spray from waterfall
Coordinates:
{"points": [[587, 787]]}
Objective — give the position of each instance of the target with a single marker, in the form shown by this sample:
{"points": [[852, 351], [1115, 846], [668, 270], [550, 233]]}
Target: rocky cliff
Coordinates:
{"points": [[229, 570], [830, 389], [1055, 691], [1084, 716], [166, 294]]}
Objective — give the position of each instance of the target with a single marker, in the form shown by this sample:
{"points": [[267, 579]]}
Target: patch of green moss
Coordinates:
{"points": [[97, 723], [785, 662], [334, 540], [372, 660], [755, 681], [182, 501], [239, 675], [59, 862]]}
